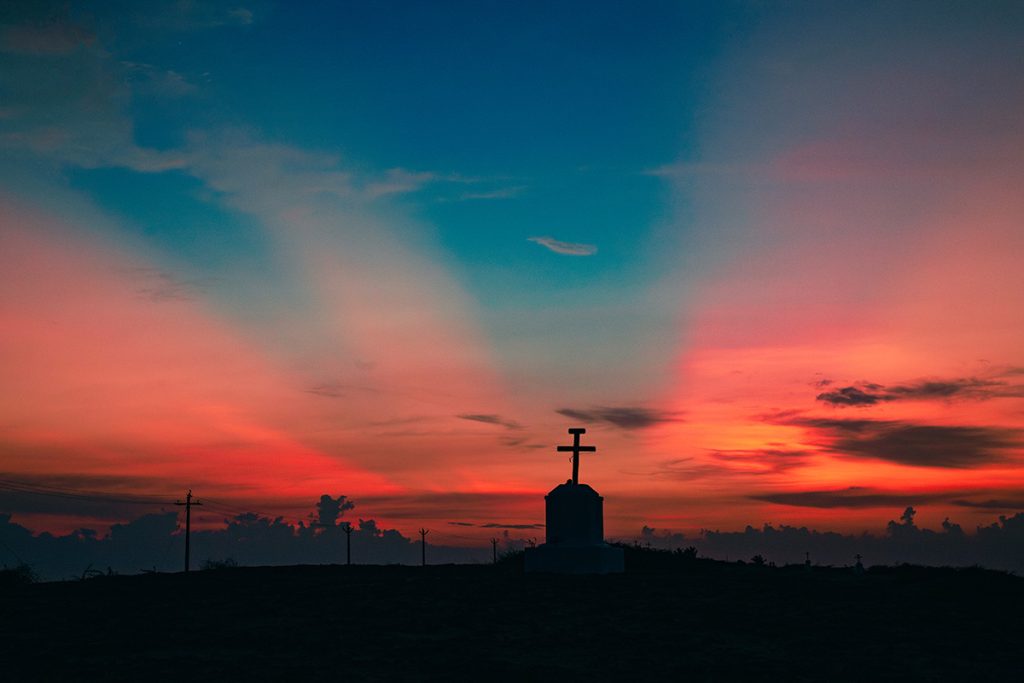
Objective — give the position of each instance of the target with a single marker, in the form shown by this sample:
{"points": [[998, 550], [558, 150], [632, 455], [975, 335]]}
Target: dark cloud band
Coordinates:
{"points": [[490, 419], [868, 393], [626, 417], [918, 445], [854, 497]]}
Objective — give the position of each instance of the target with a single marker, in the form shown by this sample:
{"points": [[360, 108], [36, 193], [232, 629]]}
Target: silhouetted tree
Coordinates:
{"points": [[19, 575], [688, 553]]}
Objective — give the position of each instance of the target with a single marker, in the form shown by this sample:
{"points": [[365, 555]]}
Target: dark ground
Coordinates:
{"points": [[694, 620]]}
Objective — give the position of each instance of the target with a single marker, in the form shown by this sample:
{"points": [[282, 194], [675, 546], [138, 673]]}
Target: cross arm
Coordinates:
{"points": [[582, 449]]}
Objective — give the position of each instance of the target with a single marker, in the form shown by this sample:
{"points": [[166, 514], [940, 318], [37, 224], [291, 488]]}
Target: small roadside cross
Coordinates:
{"points": [[576, 449]]}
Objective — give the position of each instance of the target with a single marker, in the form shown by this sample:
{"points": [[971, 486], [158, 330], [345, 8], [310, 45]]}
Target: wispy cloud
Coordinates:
{"points": [[498, 525], [56, 37], [917, 445], [851, 497], [850, 396], [159, 285], [869, 393], [173, 15], [501, 193], [753, 462], [764, 460], [624, 417], [328, 389], [567, 248], [154, 80], [693, 169], [397, 181], [1008, 503], [490, 419], [686, 468]]}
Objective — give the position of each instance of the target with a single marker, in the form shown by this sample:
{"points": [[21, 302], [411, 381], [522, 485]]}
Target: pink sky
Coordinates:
{"points": [[785, 284], [113, 373]]}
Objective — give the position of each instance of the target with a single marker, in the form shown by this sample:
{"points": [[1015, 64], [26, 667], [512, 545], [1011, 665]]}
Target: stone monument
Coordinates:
{"points": [[574, 517]]}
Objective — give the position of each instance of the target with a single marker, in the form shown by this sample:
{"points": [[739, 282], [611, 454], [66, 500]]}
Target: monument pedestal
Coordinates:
{"points": [[574, 514]]}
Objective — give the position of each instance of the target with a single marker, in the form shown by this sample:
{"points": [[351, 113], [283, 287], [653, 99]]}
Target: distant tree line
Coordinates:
{"points": [[996, 546], [154, 542]]}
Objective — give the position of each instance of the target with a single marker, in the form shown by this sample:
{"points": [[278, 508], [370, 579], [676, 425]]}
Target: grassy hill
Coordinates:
{"points": [[668, 616]]}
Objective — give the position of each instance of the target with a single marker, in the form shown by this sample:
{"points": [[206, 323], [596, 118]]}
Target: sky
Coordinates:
{"points": [[768, 254]]}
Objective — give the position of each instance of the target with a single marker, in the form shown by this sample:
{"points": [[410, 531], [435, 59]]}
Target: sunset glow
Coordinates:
{"points": [[778, 279]]}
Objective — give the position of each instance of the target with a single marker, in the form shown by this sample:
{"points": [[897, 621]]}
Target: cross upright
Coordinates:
{"points": [[576, 449]]}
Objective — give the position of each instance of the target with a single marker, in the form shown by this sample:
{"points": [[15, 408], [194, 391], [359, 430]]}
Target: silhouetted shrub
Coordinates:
{"points": [[643, 559], [511, 562], [226, 563], [91, 572], [511, 556], [688, 553], [21, 575]]}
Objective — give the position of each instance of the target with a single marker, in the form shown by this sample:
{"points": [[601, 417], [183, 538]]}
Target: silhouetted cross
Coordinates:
{"points": [[576, 449]]}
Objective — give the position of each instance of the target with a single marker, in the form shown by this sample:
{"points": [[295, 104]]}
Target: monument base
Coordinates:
{"points": [[575, 559]]}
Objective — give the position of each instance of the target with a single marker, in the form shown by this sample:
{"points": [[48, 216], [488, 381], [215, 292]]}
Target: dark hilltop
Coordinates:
{"points": [[670, 616]]}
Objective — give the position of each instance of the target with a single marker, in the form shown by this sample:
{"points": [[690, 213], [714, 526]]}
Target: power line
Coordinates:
{"points": [[87, 495], [53, 487], [231, 512], [215, 506], [38, 489], [228, 507], [94, 496], [26, 488], [231, 509], [49, 489], [445, 534], [11, 550]]}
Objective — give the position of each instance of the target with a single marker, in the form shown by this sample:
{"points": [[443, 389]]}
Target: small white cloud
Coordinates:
{"points": [[240, 15], [149, 79], [567, 248], [694, 169], [398, 181], [60, 37], [157, 285], [502, 193]]}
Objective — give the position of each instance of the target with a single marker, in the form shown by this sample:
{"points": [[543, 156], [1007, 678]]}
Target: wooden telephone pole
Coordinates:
{"points": [[423, 546], [188, 522], [494, 550], [348, 544]]}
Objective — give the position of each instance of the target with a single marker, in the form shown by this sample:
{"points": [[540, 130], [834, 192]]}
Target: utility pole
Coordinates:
{"points": [[188, 522], [494, 550], [423, 546], [348, 544]]}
